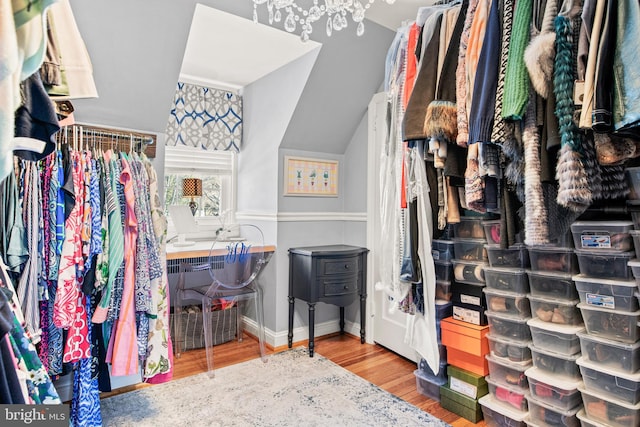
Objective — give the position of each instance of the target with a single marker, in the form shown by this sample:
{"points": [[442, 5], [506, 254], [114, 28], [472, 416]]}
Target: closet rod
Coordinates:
{"points": [[121, 138]]}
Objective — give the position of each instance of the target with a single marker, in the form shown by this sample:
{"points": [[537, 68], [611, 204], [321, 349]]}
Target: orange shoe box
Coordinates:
{"points": [[467, 344], [467, 361]]}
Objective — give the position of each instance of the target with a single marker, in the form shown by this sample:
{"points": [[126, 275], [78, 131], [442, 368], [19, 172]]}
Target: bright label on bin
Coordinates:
{"points": [[466, 315], [468, 299], [456, 384], [601, 301], [594, 240]]}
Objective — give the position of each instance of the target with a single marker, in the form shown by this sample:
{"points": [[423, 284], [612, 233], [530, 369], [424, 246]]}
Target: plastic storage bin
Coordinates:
{"points": [[469, 228], [542, 414], [552, 258], [469, 271], [497, 414], [548, 388], [612, 355], [602, 235], [427, 373], [508, 303], [442, 250], [605, 264], [508, 373], [444, 270], [560, 339], [585, 421], [507, 279], [634, 265], [428, 387], [615, 325], [633, 179], [555, 310], [469, 249], [552, 284], [561, 365], [515, 256], [509, 327], [512, 396], [515, 351], [613, 294], [608, 411], [443, 308], [443, 290], [620, 386], [492, 231]]}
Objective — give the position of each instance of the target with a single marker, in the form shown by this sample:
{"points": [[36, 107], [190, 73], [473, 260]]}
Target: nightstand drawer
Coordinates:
{"points": [[340, 265], [339, 286]]}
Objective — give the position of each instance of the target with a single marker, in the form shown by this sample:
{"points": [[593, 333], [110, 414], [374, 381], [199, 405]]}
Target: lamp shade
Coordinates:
{"points": [[191, 187]]}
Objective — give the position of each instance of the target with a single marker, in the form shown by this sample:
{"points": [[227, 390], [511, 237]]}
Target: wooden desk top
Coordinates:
{"points": [[202, 249]]}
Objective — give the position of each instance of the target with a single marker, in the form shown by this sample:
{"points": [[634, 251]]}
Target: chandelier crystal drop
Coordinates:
{"points": [[296, 16]]}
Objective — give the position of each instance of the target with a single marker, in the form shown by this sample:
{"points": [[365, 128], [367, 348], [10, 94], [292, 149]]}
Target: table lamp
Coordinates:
{"points": [[192, 187]]}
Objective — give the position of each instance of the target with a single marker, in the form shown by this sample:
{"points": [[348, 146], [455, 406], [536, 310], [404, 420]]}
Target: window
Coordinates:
{"points": [[216, 169]]}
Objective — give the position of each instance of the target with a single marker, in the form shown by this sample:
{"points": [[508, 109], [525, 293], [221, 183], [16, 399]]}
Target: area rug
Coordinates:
{"points": [[291, 389]]}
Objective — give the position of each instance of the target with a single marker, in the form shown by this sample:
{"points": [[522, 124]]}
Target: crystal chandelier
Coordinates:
{"points": [[335, 10]]}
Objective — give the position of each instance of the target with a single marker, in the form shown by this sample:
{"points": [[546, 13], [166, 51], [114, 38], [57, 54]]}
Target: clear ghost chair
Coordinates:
{"points": [[234, 263]]}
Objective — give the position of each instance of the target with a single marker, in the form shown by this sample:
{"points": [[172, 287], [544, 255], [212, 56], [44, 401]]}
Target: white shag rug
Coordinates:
{"points": [[291, 389]]}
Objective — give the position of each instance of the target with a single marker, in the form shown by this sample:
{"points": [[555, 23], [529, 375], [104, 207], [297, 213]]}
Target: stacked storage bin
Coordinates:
{"points": [[508, 310], [465, 333], [610, 361], [428, 382], [468, 271], [554, 397]]}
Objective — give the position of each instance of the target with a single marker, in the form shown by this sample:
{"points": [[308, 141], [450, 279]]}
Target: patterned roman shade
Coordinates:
{"points": [[205, 118]]}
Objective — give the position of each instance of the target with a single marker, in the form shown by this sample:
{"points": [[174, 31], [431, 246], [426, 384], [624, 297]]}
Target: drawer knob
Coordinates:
{"points": [[346, 266], [346, 287]]}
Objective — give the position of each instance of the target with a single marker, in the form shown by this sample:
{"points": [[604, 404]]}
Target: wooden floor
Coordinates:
{"points": [[374, 363]]}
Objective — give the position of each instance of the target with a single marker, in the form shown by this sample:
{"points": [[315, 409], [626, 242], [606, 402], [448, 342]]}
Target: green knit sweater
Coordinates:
{"points": [[516, 80]]}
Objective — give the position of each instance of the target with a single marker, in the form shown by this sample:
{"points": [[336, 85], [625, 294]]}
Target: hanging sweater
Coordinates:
{"points": [[516, 83]]}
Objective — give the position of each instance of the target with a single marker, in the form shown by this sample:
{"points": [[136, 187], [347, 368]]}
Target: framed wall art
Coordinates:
{"points": [[310, 177]]}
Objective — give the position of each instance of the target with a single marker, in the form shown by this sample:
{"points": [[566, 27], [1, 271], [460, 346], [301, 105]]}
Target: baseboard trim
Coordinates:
{"points": [[279, 339]]}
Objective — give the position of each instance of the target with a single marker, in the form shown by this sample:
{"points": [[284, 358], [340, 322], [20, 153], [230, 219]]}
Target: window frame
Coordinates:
{"points": [[197, 162]]}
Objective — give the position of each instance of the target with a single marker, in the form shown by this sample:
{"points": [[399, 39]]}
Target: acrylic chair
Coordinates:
{"points": [[234, 263]]}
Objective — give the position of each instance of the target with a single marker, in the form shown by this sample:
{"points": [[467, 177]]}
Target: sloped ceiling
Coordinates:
{"points": [[137, 51]]}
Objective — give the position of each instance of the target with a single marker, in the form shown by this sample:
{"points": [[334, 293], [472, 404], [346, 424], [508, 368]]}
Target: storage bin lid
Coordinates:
{"points": [[433, 380], [510, 270], [480, 263], [518, 366], [507, 341], [506, 294], [474, 240], [565, 412], [615, 401], [491, 222], [586, 225], [605, 370], [600, 253], [634, 262], [506, 317], [556, 327], [441, 242], [551, 300], [611, 343], [551, 275], [551, 380], [438, 261], [549, 248], [609, 282], [569, 358], [608, 310], [490, 402]]}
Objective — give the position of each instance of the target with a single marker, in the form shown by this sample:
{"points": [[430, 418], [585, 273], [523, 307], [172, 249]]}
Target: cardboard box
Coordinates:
{"points": [[467, 361], [466, 337], [460, 404], [466, 382]]}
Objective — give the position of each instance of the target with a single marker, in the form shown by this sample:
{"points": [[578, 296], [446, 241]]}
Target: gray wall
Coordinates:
{"points": [[137, 47]]}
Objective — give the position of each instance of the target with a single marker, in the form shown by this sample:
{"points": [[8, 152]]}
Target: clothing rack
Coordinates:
{"points": [[83, 135]]}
